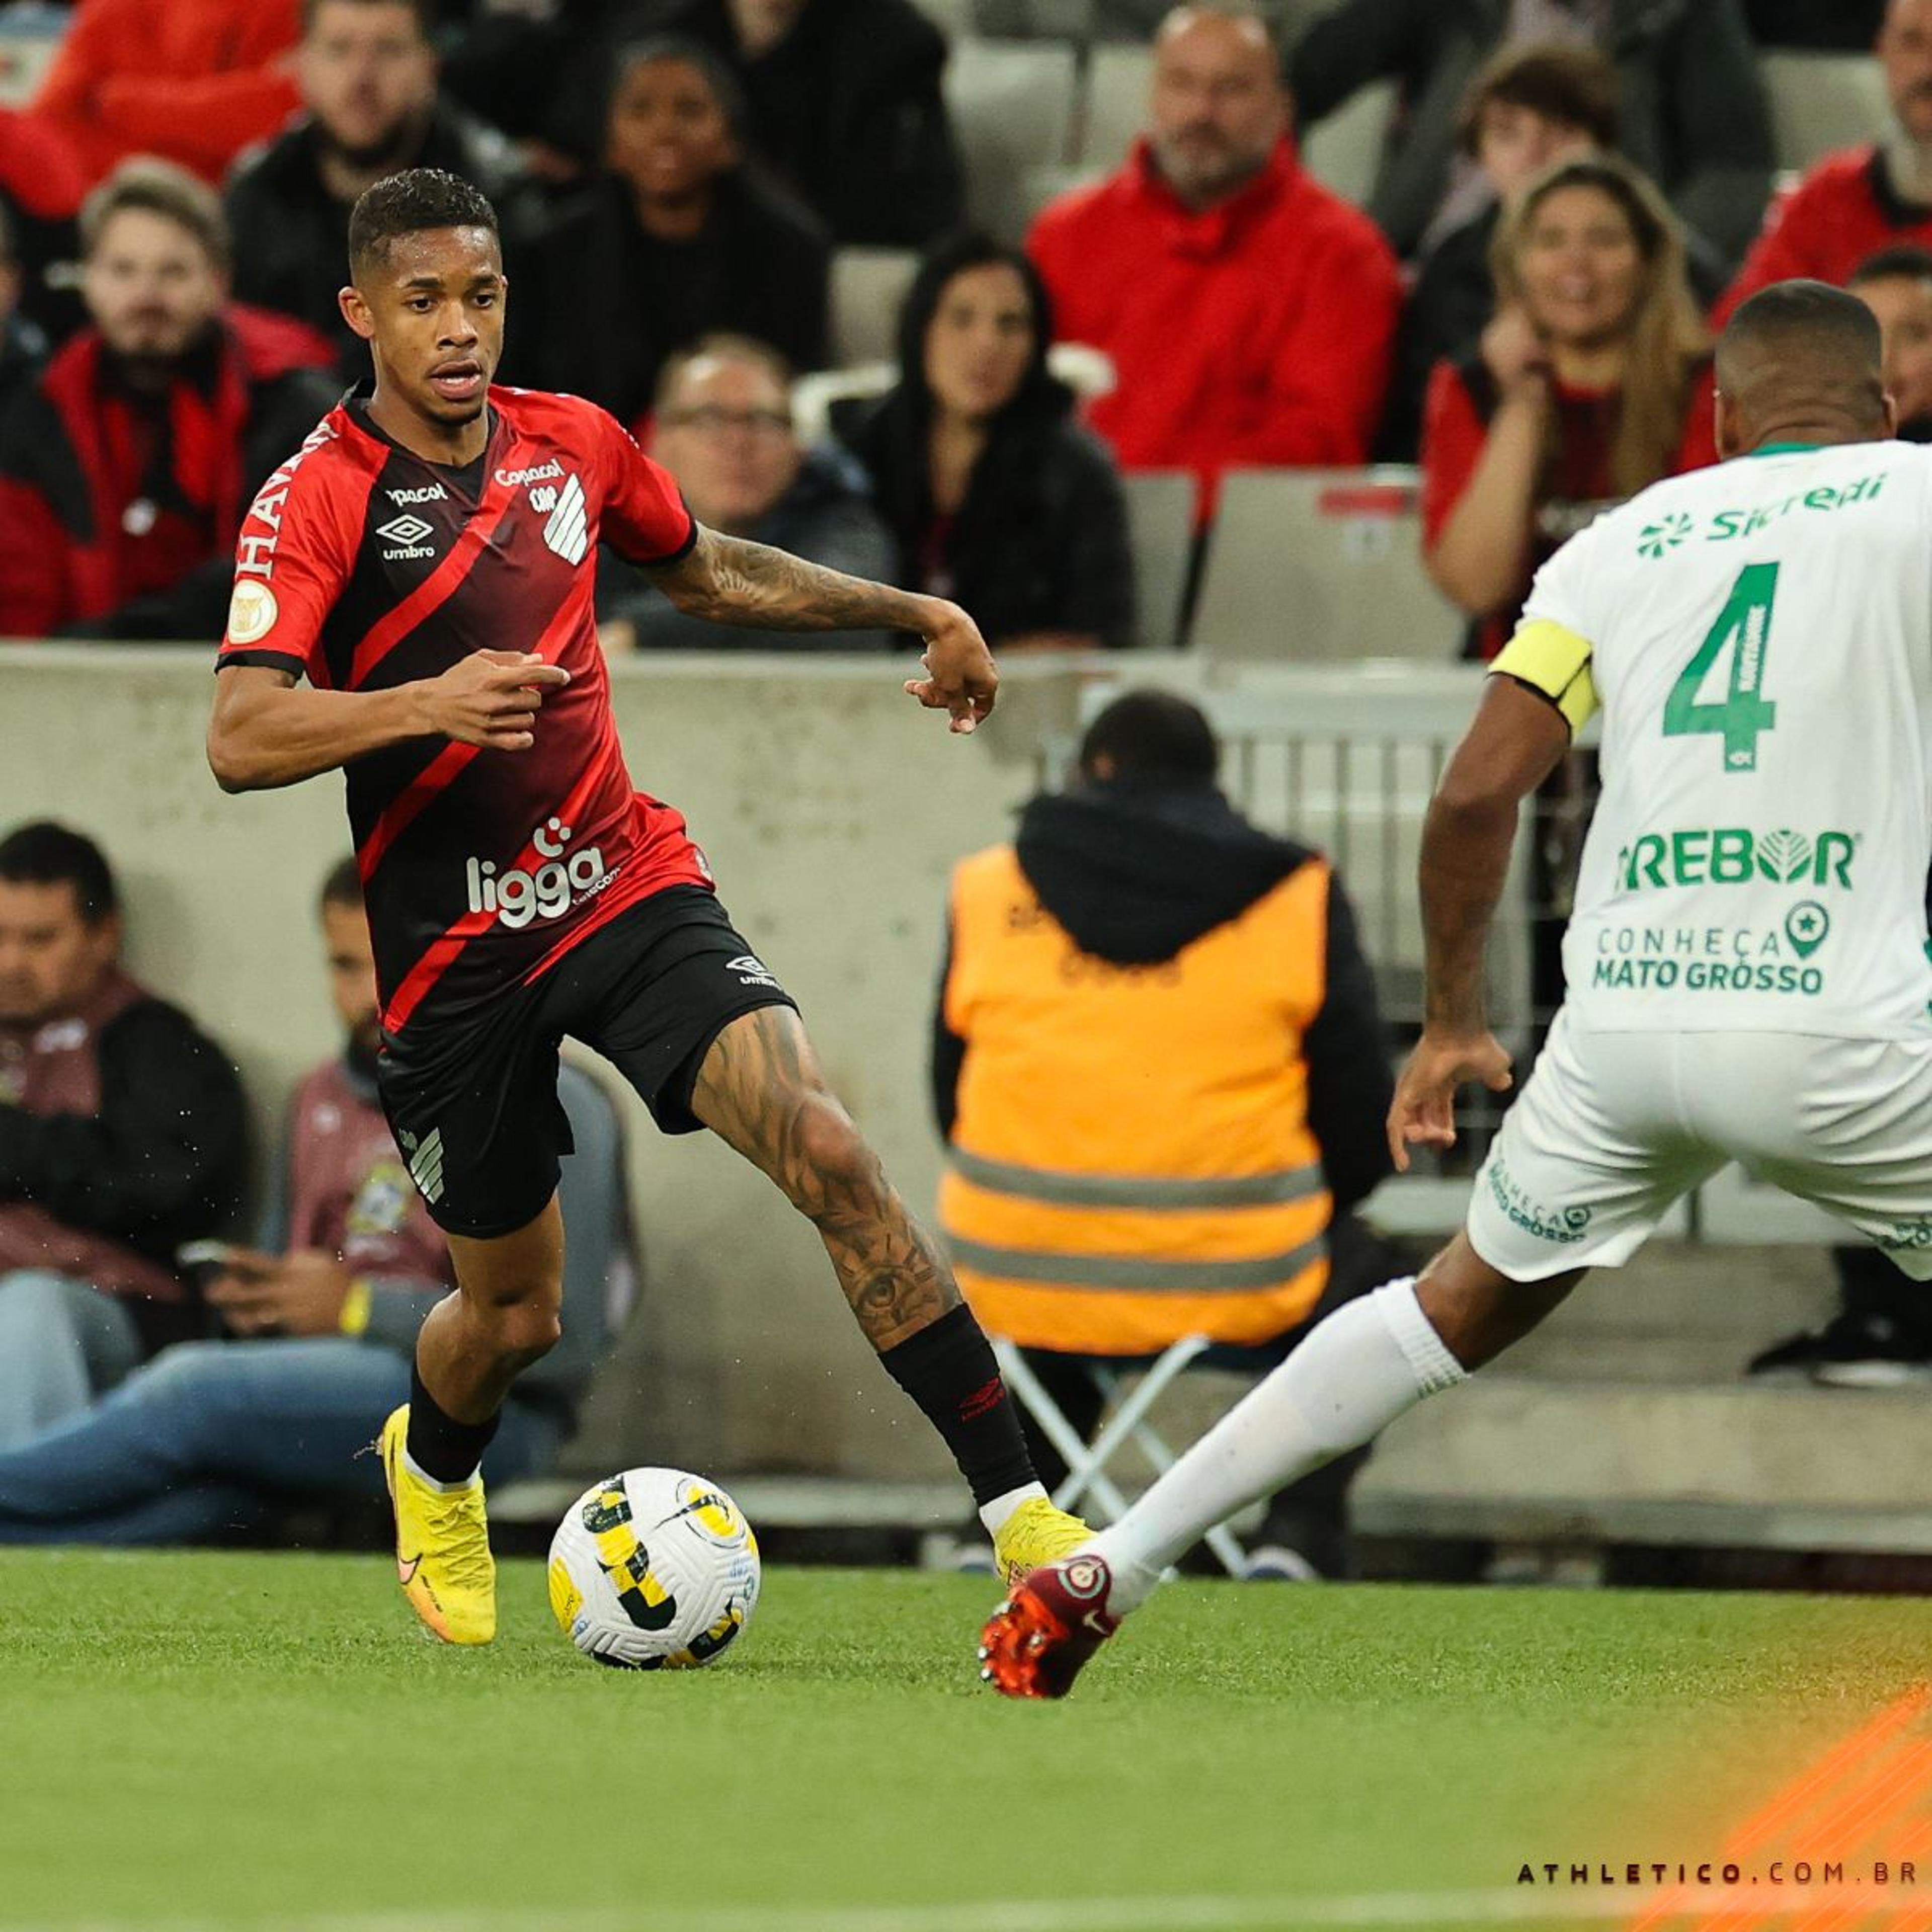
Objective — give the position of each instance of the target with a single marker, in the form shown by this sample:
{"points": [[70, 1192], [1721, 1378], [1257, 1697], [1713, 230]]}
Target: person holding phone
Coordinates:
{"points": [[123, 1133], [213, 1438]]}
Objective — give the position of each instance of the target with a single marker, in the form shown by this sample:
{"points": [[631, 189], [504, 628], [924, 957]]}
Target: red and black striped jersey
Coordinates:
{"points": [[361, 566]]}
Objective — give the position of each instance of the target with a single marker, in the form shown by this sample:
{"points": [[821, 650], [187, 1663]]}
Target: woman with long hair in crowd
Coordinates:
{"points": [[996, 496], [1591, 382]]}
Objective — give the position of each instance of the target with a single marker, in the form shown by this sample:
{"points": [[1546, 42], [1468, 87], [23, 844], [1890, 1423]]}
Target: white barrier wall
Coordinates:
{"points": [[832, 809]]}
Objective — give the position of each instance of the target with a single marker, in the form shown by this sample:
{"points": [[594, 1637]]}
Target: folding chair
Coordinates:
{"points": [[1125, 1421]]}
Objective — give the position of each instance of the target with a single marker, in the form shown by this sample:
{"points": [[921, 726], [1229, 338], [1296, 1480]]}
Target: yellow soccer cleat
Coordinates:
{"points": [[442, 1546], [1034, 1534]]}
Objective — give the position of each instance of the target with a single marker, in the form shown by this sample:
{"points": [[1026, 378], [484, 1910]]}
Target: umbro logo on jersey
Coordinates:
{"points": [[430, 493], [751, 971], [568, 530], [407, 532]]}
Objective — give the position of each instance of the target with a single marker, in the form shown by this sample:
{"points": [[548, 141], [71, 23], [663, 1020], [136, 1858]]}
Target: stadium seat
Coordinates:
{"points": [[1311, 565], [1117, 79], [1011, 104], [1042, 185], [1069, 20], [1160, 523], [867, 285], [1820, 102], [953, 18], [1087, 1489], [1343, 151]]}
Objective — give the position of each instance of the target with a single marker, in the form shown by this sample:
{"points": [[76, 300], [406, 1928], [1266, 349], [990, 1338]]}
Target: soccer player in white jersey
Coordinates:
{"points": [[1746, 967]]}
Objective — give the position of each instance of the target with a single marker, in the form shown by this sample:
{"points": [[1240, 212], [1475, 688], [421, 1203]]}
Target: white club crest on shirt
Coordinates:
{"points": [[568, 529]]}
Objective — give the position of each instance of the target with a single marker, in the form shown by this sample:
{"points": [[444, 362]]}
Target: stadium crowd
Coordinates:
{"points": [[1570, 195]]}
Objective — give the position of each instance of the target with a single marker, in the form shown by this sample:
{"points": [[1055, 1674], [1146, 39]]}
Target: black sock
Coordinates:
{"points": [[948, 1369], [443, 1449]]}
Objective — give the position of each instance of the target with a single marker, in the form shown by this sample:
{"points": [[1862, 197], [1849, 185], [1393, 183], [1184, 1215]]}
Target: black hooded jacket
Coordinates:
{"points": [[1136, 872]]}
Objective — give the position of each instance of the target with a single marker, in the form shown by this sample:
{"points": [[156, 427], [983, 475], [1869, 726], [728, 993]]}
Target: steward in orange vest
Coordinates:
{"points": [[1158, 1064], [1159, 1068]]}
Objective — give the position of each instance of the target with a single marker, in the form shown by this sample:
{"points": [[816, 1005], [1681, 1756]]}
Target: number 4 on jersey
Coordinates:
{"points": [[1744, 628]]}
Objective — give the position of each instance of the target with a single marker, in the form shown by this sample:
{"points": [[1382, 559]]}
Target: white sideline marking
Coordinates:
{"points": [[1208, 1911]]}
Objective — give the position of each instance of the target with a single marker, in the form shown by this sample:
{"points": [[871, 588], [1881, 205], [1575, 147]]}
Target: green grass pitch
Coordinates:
{"points": [[245, 1742]]}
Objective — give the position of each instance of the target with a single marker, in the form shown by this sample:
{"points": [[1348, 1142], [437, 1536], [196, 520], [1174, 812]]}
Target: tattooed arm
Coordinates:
{"points": [[731, 581]]}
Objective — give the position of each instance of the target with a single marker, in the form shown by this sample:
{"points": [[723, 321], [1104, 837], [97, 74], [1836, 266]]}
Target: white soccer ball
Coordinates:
{"points": [[654, 1570]]}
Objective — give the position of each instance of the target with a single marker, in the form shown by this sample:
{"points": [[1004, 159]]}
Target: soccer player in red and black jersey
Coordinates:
{"points": [[426, 563]]}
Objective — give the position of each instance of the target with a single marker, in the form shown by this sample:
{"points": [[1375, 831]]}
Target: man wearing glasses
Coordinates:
{"points": [[723, 428]]}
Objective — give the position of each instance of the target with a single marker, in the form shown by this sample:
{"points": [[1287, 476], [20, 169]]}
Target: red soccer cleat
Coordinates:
{"points": [[1037, 1641]]}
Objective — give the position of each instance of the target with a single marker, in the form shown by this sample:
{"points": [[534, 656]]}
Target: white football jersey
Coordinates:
{"points": [[1760, 637]]}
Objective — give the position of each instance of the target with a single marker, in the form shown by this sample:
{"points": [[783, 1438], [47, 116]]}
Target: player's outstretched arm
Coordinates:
{"points": [[267, 730], [1514, 744], [733, 582]]}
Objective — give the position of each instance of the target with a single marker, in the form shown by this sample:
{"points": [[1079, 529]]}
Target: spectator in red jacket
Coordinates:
{"points": [[1896, 285], [126, 466], [1590, 383], [1861, 200], [1249, 312], [195, 81]]}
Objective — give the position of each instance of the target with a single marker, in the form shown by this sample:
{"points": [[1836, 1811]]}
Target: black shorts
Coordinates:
{"points": [[472, 1101]]}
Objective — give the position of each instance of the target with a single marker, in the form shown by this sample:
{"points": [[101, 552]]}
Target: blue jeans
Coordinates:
{"points": [[62, 1342], [210, 1437]]}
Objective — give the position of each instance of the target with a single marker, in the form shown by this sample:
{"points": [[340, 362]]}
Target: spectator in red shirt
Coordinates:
{"points": [[1249, 312], [194, 81], [1896, 285], [1861, 200], [126, 466], [1590, 383]]}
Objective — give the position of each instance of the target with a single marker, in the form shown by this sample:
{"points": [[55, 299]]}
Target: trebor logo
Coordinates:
{"points": [[1731, 855]]}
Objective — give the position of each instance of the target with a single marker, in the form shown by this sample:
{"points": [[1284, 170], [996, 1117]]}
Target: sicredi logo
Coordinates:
{"points": [[516, 897], [1731, 855]]}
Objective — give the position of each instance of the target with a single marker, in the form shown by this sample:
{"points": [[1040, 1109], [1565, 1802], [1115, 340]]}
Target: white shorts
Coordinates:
{"points": [[1613, 1128]]}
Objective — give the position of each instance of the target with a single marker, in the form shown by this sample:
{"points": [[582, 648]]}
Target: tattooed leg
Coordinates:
{"points": [[761, 1090]]}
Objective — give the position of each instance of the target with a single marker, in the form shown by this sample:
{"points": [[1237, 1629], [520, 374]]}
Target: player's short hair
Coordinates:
{"points": [[44, 852], [423, 10], [344, 886], [1153, 737], [726, 347], [1809, 326], [412, 202], [1576, 85], [706, 61], [1904, 263], [156, 187]]}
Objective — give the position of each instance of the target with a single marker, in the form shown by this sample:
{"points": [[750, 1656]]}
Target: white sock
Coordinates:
{"points": [[993, 1515], [1352, 1375], [424, 1477]]}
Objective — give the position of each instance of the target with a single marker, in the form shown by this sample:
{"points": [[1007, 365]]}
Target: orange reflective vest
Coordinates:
{"points": [[1131, 1158]]}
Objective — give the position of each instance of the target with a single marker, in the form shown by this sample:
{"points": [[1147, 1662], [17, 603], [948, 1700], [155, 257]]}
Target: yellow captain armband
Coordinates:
{"points": [[354, 1319], [1556, 662]]}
